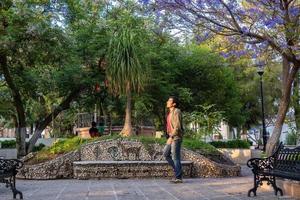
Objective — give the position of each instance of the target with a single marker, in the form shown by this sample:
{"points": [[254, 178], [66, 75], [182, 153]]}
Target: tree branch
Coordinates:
{"points": [[65, 104]]}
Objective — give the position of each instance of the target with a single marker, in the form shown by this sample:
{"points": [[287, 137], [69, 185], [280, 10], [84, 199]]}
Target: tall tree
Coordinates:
{"points": [[264, 25], [41, 62], [125, 71]]}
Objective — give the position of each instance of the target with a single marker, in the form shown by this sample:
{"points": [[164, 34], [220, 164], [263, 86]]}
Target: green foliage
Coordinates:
{"points": [[208, 120], [113, 136], [66, 145], [125, 59], [143, 111], [8, 144], [201, 146], [243, 144], [52, 49], [248, 82], [209, 81], [38, 148], [195, 74], [292, 137]]}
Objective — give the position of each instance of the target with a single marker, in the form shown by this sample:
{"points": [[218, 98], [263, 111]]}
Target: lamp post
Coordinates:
{"points": [[260, 71]]}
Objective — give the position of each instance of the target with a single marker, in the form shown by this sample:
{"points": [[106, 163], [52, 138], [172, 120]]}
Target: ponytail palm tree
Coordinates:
{"points": [[125, 72]]}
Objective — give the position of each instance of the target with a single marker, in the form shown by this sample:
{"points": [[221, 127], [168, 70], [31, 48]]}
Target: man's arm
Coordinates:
{"points": [[176, 123]]}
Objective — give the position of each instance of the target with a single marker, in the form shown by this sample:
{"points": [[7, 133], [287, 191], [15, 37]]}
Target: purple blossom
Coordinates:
{"points": [[202, 38], [271, 23], [225, 54], [294, 11], [254, 56], [295, 48], [282, 43], [145, 2], [255, 16], [240, 53], [245, 30], [263, 45]]}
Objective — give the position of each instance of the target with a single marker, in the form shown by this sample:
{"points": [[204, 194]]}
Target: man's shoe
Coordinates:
{"points": [[177, 180]]}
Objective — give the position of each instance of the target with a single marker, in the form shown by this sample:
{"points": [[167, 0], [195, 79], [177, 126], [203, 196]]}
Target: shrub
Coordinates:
{"points": [[8, 144], [292, 138], [38, 147], [66, 145], [231, 144], [201, 146]]}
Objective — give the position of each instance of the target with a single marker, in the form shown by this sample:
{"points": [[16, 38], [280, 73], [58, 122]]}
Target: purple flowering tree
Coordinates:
{"points": [[261, 25]]}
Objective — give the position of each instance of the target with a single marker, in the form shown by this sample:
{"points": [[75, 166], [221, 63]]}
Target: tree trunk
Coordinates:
{"points": [[17, 100], [40, 127], [295, 103], [283, 107], [238, 132], [127, 129]]}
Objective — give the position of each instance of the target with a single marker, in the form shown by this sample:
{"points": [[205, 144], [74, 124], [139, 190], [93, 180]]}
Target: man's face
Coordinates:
{"points": [[170, 103]]}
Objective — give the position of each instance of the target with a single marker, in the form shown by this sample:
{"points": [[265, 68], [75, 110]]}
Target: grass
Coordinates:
{"points": [[58, 148], [200, 146], [63, 146]]}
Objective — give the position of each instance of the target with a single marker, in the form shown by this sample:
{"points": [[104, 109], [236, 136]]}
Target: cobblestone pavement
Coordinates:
{"points": [[141, 189]]}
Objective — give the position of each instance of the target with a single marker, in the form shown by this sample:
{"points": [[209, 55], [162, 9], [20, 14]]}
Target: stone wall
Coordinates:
{"points": [[127, 169], [204, 167], [128, 150], [289, 187], [61, 167], [121, 150]]}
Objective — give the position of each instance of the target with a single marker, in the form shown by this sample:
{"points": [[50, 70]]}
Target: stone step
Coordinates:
{"points": [[126, 169]]}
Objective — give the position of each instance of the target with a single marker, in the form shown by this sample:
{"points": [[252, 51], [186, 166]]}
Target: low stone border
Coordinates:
{"points": [[117, 150], [204, 167], [289, 187], [60, 167]]}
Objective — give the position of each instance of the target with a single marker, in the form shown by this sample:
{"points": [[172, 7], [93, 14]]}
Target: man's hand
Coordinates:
{"points": [[170, 140]]}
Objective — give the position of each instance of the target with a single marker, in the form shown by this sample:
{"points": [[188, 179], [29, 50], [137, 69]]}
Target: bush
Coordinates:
{"points": [[292, 138], [38, 148], [241, 144], [8, 144], [66, 145], [201, 146]]}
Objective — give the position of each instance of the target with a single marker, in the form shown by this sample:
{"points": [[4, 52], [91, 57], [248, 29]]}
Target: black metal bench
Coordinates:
{"points": [[284, 163], [8, 171]]}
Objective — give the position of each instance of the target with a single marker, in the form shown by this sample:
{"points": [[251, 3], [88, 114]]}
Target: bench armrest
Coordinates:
{"points": [[10, 164], [259, 164]]}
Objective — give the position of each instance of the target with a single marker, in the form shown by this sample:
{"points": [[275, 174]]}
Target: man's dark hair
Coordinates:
{"points": [[175, 100], [94, 124]]}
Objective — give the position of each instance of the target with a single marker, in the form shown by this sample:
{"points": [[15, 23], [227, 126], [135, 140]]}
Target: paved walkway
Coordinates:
{"points": [[140, 189]]}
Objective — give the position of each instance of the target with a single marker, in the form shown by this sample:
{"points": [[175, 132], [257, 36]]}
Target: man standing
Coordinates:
{"points": [[174, 132]]}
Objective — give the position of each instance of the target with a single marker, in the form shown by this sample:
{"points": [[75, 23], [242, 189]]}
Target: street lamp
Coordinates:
{"points": [[260, 70]]}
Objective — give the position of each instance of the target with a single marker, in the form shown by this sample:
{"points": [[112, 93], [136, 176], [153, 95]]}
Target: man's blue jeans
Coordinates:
{"points": [[172, 155]]}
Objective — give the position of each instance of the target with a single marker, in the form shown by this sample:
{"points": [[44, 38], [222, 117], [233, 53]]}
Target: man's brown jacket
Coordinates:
{"points": [[176, 124]]}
